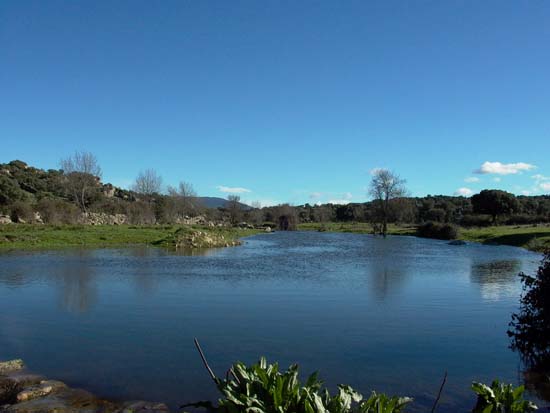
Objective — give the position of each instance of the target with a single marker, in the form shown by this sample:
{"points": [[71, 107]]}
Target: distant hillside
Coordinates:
{"points": [[216, 202]]}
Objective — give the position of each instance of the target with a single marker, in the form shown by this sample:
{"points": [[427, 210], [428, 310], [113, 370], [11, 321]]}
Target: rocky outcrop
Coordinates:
{"points": [[21, 392], [5, 219], [202, 239], [101, 218], [11, 366]]}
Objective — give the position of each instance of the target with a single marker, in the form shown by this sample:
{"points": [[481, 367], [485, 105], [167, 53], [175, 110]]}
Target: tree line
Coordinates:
{"points": [[63, 195]]}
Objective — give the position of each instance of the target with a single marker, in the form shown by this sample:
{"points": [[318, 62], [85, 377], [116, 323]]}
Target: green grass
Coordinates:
{"points": [[25, 237], [19, 236], [356, 227], [525, 236], [535, 238]]}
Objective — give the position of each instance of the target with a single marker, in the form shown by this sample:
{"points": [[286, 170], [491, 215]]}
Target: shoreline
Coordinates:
{"points": [[531, 238], [22, 391], [36, 237]]}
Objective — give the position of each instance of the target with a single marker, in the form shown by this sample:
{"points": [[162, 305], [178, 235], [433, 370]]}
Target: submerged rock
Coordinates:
{"points": [[11, 365], [21, 392], [143, 407], [44, 388], [457, 242], [64, 400]]}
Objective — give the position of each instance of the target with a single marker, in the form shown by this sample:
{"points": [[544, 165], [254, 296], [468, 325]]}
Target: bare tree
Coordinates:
{"points": [[385, 186], [255, 214], [234, 208], [83, 174], [148, 182], [183, 199]]}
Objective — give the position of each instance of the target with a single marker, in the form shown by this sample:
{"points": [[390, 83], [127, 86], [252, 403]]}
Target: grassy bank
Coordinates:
{"points": [[21, 236], [356, 227], [530, 237], [525, 236]]}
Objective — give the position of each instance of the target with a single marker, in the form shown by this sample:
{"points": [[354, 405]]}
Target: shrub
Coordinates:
{"points": [[437, 231], [475, 221], [57, 211], [141, 213], [21, 212], [525, 219]]}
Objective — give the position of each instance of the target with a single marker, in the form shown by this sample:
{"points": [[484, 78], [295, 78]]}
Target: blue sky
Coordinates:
{"points": [[283, 101]]}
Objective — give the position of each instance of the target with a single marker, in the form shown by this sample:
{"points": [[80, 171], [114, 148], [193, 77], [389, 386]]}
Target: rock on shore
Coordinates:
{"points": [[22, 392]]}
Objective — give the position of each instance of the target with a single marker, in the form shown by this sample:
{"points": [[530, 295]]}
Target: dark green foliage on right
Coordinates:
{"points": [[530, 331]]}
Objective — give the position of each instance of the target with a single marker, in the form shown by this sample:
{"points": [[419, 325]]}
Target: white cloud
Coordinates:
{"points": [[347, 195], [472, 179], [232, 190], [526, 192], [464, 192], [338, 201], [263, 202], [497, 179], [539, 177], [504, 168], [545, 186], [315, 195]]}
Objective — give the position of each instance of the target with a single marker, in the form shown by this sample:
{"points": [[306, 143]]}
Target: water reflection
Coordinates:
{"points": [[497, 279], [78, 287], [386, 277]]}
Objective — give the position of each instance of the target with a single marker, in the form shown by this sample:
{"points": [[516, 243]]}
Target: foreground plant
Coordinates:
{"points": [[263, 388], [501, 398]]}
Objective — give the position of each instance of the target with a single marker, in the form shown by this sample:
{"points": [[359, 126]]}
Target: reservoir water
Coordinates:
{"points": [[389, 315]]}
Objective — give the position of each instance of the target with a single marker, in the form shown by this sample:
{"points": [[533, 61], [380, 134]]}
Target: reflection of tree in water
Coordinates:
{"points": [[496, 278], [386, 272], [79, 291], [530, 329], [143, 277], [13, 280]]}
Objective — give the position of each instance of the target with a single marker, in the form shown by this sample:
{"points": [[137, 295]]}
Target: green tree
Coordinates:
{"points": [[494, 202]]}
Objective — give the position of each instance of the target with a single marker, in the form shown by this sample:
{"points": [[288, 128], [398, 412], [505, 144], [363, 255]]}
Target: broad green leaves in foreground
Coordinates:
{"points": [[262, 388], [501, 398]]}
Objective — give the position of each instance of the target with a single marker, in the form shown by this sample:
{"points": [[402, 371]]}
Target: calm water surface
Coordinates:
{"points": [[387, 314]]}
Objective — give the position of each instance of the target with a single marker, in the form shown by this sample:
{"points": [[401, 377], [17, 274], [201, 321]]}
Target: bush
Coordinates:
{"points": [[476, 221], [141, 213], [437, 231], [525, 219], [21, 212], [57, 211]]}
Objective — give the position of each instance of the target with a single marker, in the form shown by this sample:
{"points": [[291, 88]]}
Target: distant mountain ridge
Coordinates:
{"points": [[217, 202]]}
